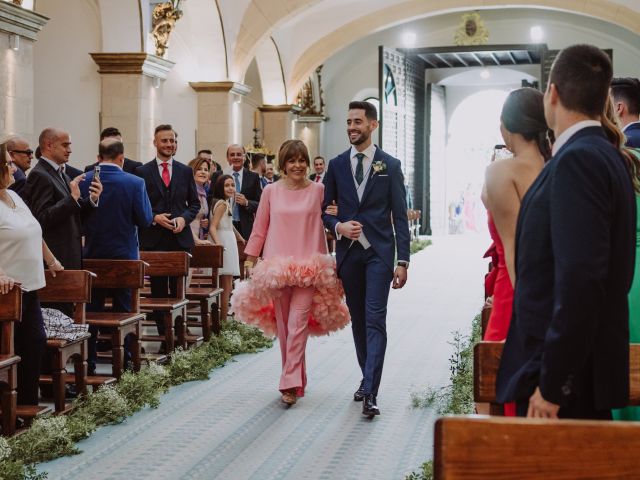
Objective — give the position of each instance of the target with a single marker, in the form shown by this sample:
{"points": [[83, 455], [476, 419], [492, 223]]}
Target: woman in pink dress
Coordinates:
{"points": [[293, 291]]}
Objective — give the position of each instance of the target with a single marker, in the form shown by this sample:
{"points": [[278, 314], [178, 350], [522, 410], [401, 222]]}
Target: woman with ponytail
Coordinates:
{"points": [[524, 130]]}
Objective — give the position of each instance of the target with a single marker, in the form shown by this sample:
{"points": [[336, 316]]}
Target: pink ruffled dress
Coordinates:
{"points": [[288, 230]]}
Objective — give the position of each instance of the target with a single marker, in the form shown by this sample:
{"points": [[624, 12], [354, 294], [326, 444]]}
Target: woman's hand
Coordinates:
{"points": [[242, 241], [54, 267], [6, 283], [332, 209], [199, 241], [204, 223]]}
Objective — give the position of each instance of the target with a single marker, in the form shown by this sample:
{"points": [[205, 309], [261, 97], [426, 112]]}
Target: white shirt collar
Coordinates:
{"points": [[53, 164], [104, 164], [160, 162], [630, 124], [369, 152], [571, 131]]}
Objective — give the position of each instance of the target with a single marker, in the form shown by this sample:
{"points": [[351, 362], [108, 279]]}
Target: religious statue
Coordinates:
{"points": [[163, 20], [471, 31]]}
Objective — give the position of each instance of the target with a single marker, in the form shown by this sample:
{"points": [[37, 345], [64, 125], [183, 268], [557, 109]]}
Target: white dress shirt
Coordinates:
{"points": [[571, 131], [231, 171], [160, 168]]}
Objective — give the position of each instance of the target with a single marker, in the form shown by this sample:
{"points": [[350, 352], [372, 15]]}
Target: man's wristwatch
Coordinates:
{"points": [[403, 263]]}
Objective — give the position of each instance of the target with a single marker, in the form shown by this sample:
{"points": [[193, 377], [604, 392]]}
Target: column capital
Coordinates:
{"points": [[295, 109], [20, 21], [137, 63], [233, 87]]}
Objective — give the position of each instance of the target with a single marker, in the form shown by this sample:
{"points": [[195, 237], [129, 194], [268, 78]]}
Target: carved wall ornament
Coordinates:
{"points": [[163, 21], [307, 98], [17, 2], [471, 30]]}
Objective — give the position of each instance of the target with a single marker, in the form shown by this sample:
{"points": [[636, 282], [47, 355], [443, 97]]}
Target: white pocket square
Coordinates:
{"points": [[381, 175]]}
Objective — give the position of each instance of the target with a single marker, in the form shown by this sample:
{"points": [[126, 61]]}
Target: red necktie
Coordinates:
{"points": [[317, 178], [165, 174]]}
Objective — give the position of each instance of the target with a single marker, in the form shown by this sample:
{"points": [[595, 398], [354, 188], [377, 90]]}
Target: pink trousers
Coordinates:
{"points": [[292, 317]]}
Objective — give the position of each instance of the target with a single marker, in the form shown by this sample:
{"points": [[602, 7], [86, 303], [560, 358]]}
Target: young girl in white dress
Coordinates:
{"points": [[222, 232]]}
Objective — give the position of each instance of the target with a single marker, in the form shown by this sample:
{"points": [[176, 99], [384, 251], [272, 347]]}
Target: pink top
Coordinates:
{"points": [[288, 223]]}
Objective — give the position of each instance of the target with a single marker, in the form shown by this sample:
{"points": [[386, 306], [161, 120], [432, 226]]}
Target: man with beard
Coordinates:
{"points": [[367, 185]]}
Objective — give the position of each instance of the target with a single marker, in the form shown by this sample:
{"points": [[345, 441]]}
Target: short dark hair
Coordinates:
{"points": [[164, 128], [256, 158], [318, 157], [110, 150], [110, 132], [370, 111], [292, 149], [582, 75], [627, 90], [206, 150]]}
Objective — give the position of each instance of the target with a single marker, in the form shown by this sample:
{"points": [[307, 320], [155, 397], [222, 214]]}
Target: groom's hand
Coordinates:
{"points": [[351, 229], [541, 408], [399, 277]]}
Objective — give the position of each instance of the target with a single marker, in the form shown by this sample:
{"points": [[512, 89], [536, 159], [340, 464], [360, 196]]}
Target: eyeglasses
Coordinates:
{"points": [[26, 152]]}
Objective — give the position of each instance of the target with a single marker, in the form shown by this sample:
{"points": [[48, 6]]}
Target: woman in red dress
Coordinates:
{"points": [[524, 130]]}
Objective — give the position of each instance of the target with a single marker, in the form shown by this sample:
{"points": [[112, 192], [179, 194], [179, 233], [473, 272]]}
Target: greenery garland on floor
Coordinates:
{"points": [[418, 244], [55, 436], [457, 397]]}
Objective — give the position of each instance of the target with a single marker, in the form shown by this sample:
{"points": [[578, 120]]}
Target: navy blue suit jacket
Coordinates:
{"points": [[632, 132], [20, 179], [383, 196], [575, 251], [112, 231], [180, 200]]}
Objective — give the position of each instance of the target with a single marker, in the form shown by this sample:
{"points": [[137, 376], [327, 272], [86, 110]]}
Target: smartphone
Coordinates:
{"points": [[175, 224], [96, 172], [500, 152]]}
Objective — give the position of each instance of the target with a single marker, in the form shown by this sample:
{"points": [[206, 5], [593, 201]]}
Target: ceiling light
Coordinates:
{"points": [[409, 39], [485, 74], [536, 33]]}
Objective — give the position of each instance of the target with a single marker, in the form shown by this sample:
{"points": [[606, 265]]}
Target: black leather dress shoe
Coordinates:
{"points": [[369, 406], [358, 395]]}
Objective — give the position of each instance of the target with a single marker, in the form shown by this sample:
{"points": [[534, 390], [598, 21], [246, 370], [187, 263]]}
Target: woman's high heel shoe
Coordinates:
{"points": [[289, 397]]}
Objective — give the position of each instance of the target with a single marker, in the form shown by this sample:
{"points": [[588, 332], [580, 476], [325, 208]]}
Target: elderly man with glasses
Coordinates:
{"points": [[20, 155]]}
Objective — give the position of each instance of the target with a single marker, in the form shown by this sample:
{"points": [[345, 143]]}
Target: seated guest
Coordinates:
{"points": [[567, 350], [20, 154], [626, 98], [112, 231], [22, 252], [200, 225], [129, 165], [320, 168]]}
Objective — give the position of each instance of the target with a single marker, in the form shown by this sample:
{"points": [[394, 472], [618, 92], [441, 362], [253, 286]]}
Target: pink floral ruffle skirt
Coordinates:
{"points": [[252, 300]]}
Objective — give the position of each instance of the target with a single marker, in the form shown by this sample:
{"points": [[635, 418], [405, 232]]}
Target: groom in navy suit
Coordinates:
{"points": [[368, 187]]}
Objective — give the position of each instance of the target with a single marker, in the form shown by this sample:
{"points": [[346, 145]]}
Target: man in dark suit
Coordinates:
{"points": [[368, 186], [320, 168], [174, 202], [626, 101], [21, 154], [112, 232], [129, 166], [567, 351]]}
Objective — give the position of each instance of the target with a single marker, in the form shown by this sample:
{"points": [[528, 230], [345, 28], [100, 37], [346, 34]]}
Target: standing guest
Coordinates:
{"points": [[22, 251], [626, 97], [20, 154], [524, 130], [70, 171], [270, 173], [296, 272], [207, 154], [567, 351], [259, 167], [175, 204], [112, 232], [222, 232], [367, 185], [319, 167], [130, 166], [200, 225]]}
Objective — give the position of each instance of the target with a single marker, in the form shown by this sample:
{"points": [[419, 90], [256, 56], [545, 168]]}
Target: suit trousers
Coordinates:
{"points": [[366, 280], [30, 343], [292, 317]]}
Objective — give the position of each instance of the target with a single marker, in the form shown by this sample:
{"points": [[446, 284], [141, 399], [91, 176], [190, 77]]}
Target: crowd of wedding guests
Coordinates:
{"points": [[562, 217]]}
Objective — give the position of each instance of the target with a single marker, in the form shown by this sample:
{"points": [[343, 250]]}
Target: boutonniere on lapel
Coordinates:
{"points": [[379, 167]]}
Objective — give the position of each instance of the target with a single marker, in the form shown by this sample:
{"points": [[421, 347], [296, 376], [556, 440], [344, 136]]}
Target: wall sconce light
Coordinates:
{"points": [[14, 42], [156, 82]]}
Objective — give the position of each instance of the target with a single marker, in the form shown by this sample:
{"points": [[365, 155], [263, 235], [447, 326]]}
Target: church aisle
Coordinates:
{"points": [[234, 426]]}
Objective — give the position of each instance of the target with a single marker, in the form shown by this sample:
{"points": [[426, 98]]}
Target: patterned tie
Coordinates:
{"points": [[359, 168], [236, 207], [165, 174]]}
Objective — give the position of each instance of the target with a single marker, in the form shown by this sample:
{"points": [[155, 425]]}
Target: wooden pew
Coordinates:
{"points": [[69, 286], [117, 325], [168, 264], [10, 311], [477, 447], [204, 293], [242, 257], [486, 361]]}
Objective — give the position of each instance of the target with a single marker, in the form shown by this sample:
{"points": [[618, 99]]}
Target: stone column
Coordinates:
{"points": [[219, 116], [310, 129], [278, 124], [18, 31], [131, 98]]}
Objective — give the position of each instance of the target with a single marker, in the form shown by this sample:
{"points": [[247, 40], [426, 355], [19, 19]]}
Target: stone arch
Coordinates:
{"points": [[339, 38], [274, 89]]}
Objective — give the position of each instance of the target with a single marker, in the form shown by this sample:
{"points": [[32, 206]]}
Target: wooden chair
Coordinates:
{"points": [[242, 257], [10, 311], [173, 310], [204, 293], [115, 326], [69, 286], [476, 447]]}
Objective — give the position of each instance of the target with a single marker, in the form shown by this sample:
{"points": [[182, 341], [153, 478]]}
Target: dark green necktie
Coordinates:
{"points": [[359, 168]]}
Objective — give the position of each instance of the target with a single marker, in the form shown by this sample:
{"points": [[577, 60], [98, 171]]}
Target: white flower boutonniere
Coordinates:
{"points": [[379, 166]]}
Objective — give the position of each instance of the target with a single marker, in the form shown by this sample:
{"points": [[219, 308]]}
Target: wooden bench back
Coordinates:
{"points": [[486, 361], [69, 286], [119, 274], [166, 264], [500, 448], [206, 256], [10, 311]]}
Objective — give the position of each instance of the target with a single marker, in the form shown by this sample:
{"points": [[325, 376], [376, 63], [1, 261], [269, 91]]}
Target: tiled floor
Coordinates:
{"points": [[234, 427]]}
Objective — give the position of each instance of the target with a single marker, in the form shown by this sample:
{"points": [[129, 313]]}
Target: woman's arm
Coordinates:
{"points": [[6, 282], [50, 260], [218, 211]]}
